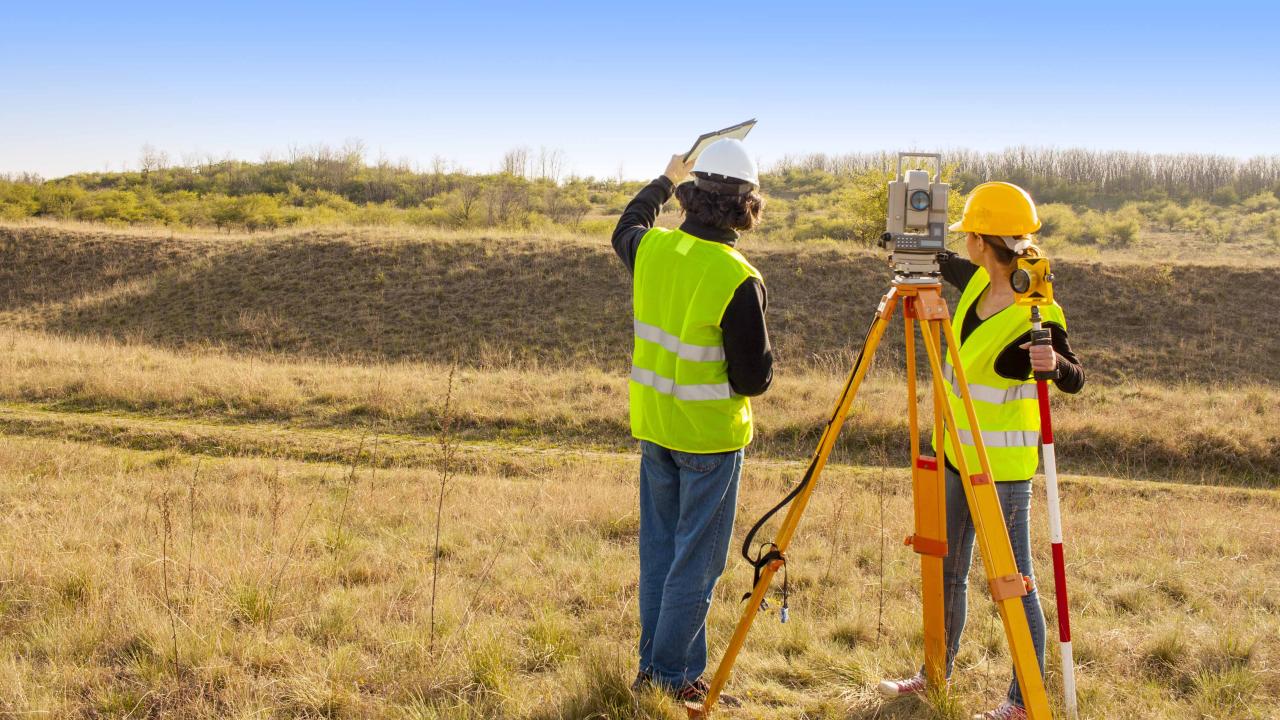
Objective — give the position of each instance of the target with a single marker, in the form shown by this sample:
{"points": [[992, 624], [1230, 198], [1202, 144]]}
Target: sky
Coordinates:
{"points": [[617, 88]]}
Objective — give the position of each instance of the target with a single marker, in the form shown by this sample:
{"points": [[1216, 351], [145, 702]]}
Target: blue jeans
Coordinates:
{"points": [[1015, 502], [687, 506]]}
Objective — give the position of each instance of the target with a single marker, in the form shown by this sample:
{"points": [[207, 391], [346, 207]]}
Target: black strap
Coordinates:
{"points": [[763, 558], [722, 188], [759, 564]]}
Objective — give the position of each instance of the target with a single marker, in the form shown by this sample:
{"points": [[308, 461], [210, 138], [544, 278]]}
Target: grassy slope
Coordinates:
{"points": [[563, 302]]}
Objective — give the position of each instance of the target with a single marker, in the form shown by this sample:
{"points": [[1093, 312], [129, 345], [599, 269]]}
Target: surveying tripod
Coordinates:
{"points": [[921, 300]]}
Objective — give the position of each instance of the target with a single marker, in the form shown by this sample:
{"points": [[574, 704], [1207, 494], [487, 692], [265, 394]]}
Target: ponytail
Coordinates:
{"points": [[1009, 248]]}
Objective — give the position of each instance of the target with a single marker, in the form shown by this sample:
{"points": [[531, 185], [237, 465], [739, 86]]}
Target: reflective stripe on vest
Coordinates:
{"points": [[1008, 438], [693, 393], [988, 394], [695, 353]]}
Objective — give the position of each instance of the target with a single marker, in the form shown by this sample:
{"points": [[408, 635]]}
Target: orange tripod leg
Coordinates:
{"points": [[1005, 581], [930, 538]]}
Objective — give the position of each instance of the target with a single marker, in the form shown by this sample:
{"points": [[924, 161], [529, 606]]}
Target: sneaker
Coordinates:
{"points": [[642, 682], [696, 692], [898, 688], [1006, 711]]}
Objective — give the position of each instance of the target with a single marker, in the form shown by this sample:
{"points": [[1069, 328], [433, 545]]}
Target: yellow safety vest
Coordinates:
{"points": [[680, 393], [1007, 410]]}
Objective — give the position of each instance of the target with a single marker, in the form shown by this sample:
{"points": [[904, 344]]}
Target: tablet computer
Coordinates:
{"points": [[738, 131]]}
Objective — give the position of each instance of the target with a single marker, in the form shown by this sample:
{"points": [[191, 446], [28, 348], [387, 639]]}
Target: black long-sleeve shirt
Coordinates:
{"points": [[746, 338], [1014, 361]]}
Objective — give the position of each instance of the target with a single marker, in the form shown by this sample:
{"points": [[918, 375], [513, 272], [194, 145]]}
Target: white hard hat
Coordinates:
{"points": [[728, 158]]}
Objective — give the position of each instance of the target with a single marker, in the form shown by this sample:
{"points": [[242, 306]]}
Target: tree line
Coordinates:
{"points": [[1087, 178], [1095, 197], [318, 187]]}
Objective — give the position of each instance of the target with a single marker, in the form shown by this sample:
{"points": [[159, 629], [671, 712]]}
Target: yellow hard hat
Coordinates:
{"points": [[999, 208]]}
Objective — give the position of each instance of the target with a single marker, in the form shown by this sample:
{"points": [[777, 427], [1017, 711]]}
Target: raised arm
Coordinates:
{"points": [[642, 212]]}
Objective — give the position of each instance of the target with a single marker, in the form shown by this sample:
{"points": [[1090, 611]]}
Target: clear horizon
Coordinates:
{"points": [[617, 92]]}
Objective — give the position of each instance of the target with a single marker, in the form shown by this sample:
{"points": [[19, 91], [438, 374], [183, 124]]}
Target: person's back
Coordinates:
{"points": [[701, 348]]}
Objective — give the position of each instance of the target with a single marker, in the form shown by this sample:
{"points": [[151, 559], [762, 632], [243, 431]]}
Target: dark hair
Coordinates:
{"points": [[728, 212], [1004, 254]]}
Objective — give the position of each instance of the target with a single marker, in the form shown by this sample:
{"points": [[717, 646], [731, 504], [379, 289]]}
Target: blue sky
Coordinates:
{"points": [[622, 86]]}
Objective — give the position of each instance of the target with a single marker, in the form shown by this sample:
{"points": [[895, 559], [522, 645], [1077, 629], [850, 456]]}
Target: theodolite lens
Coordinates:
{"points": [[920, 200]]}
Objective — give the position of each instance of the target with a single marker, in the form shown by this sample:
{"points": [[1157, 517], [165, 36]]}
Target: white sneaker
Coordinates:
{"points": [[898, 688], [1006, 711]]}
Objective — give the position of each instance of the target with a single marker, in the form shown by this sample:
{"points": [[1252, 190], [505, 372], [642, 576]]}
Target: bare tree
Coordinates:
{"points": [[515, 162], [151, 158], [504, 197], [468, 195], [550, 163]]}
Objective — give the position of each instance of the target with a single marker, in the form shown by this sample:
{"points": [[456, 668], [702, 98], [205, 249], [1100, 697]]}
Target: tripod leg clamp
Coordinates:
{"points": [[1009, 586], [932, 547]]}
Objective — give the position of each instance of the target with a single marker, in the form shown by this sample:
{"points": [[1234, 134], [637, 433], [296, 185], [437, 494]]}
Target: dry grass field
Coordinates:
{"points": [[225, 459], [148, 398], [166, 584]]}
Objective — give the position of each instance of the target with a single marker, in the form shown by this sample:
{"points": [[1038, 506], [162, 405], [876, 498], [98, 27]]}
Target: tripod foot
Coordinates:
{"points": [[695, 710]]}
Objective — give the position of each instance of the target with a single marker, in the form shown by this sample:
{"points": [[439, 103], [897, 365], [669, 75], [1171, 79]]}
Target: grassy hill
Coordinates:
{"points": [[350, 330], [484, 299]]}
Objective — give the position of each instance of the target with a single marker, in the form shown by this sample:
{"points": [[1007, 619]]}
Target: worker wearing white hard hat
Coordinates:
{"points": [[728, 161], [700, 349]]}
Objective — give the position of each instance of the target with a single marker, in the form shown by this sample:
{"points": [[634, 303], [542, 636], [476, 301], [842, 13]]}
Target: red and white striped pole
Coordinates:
{"points": [[1039, 336]]}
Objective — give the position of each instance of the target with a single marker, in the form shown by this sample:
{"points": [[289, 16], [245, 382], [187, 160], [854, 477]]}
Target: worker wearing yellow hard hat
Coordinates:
{"points": [[999, 220], [1001, 209]]}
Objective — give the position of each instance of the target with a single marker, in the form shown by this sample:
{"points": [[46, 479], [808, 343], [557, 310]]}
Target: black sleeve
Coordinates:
{"points": [[956, 270], [1014, 362], [746, 339], [638, 217]]}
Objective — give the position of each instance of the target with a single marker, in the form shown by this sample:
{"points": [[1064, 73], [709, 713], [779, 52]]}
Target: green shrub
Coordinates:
{"points": [[18, 200], [1058, 221], [1262, 202], [59, 200]]}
